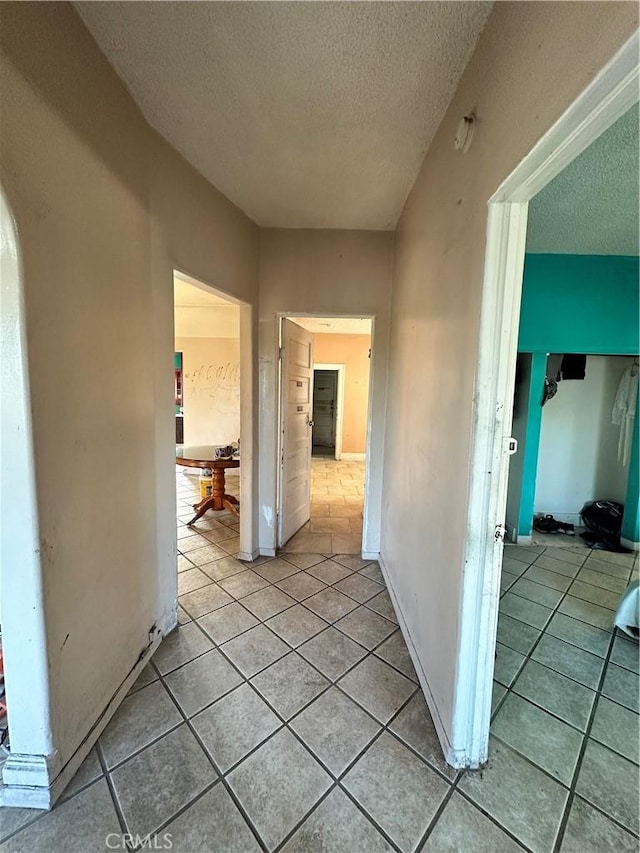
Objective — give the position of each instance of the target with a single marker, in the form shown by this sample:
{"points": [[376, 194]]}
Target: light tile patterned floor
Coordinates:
{"points": [[337, 501], [285, 715]]}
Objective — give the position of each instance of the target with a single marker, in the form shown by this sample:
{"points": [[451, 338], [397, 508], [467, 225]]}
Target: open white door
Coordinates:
{"points": [[296, 424]]}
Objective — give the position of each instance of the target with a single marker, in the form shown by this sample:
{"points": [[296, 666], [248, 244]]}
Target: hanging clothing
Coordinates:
{"points": [[573, 366], [624, 411]]}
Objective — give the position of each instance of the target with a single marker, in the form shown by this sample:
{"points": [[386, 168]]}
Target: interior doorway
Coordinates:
{"points": [[325, 413], [606, 100], [208, 387], [324, 428]]}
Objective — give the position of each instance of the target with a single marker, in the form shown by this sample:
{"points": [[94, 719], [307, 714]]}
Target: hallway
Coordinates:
{"points": [[285, 714]]}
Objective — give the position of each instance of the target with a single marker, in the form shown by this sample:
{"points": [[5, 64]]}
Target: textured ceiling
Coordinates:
{"points": [[334, 325], [306, 115], [591, 208]]}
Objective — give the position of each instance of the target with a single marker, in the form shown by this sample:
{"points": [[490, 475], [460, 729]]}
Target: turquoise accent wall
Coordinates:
{"points": [[581, 304], [532, 443]]}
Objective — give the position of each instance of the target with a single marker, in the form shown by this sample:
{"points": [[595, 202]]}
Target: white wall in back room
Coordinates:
{"points": [[578, 458]]}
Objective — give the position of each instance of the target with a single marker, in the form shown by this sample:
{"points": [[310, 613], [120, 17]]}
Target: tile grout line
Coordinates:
{"points": [[583, 748]]}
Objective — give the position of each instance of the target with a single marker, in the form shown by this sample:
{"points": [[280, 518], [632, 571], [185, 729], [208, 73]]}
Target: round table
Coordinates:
{"points": [[204, 457]]}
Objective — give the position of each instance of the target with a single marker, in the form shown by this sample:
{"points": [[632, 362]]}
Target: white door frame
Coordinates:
{"points": [[371, 515], [611, 93], [248, 538], [339, 402]]}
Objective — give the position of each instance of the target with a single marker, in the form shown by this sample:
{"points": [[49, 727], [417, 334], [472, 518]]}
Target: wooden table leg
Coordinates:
{"points": [[218, 499]]}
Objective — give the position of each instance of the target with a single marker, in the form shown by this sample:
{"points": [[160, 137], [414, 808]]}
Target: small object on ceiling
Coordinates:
{"points": [[465, 133]]}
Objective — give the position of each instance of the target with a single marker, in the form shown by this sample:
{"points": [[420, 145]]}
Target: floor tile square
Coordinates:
{"points": [[329, 572], [556, 693], [147, 676], [352, 561], [376, 686], [625, 652], [183, 616], [547, 578], [524, 610], [414, 726], [365, 627], [141, 718], [200, 682], [227, 622], [91, 813], [461, 827], [254, 650], [335, 729], [296, 625], [234, 725], [394, 651], [267, 602], [569, 660], [621, 685], [276, 570], [290, 684], [607, 567], [507, 580], [300, 586], [522, 798], [595, 594], [579, 634], [330, 605], [610, 782], [398, 790], [507, 664], [608, 582], [516, 635], [560, 567], [337, 826], [192, 579], [226, 567], [381, 603], [600, 617], [212, 823], [304, 561], [617, 727], [589, 831], [204, 600], [332, 653], [181, 646], [359, 587], [278, 785], [201, 556], [537, 592], [374, 572], [244, 583], [192, 543], [179, 761], [184, 564], [548, 742]]}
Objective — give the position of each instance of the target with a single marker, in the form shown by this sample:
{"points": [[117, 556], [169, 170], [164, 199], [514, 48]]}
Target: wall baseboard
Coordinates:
{"points": [[629, 543], [267, 552], [249, 556], [455, 758], [31, 781], [353, 457], [370, 555]]}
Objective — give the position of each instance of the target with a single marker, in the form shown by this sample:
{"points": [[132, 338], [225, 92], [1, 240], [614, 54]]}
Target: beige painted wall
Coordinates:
{"points": [[339, 273], [531, 62], [211, 389], [104, 210], [353, 352]]}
